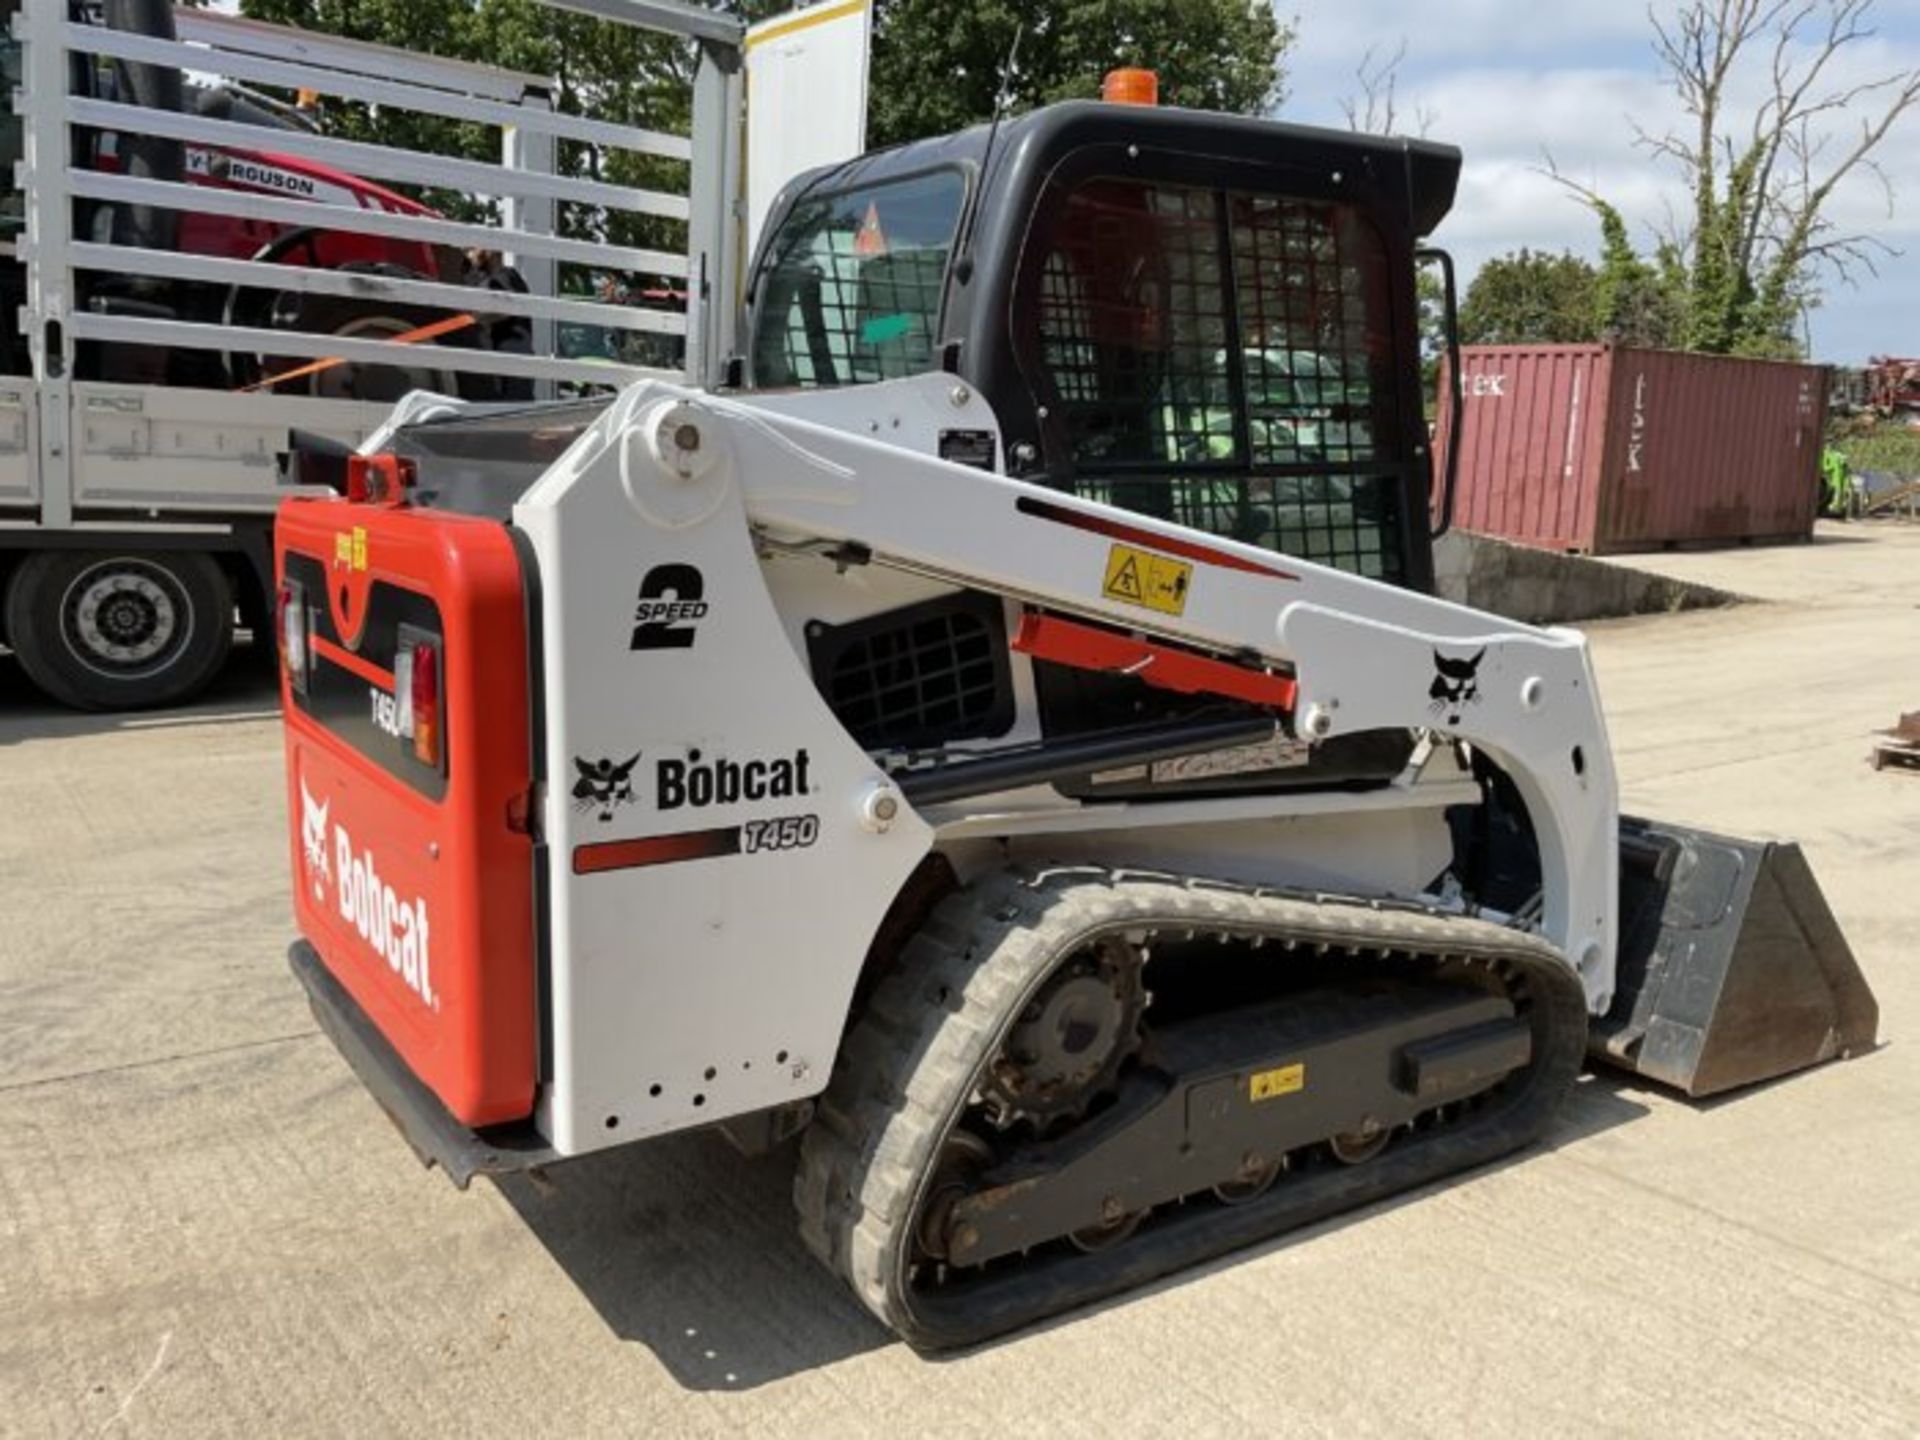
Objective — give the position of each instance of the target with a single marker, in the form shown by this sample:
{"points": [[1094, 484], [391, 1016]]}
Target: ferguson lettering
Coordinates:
{"points": [[396, 928], [693, 782], [267, 177]]}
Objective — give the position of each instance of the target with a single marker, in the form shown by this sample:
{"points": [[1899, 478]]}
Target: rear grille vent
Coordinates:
{"points": [[917, 676]]}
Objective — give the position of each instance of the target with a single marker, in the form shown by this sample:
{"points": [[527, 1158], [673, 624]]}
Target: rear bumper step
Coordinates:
{"points": [[436, 1137]]}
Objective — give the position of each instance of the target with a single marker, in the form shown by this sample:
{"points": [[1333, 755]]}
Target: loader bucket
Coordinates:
{"points": [[1732, 969]]}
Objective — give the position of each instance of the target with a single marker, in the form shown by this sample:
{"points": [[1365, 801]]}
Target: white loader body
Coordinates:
{"points": [[687, 993]]}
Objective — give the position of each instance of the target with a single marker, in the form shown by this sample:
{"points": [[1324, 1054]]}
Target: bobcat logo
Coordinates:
{"points": [[603, 785], [1456, 684], [313, 834]]}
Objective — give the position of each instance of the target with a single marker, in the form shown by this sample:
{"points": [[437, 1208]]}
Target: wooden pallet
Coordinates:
{"points": [[1902, 502], [1898, 747]]}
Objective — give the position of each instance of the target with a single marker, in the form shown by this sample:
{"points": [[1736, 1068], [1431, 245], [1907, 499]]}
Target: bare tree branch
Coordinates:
{"points": [[1374, 109], [1760, 183]]}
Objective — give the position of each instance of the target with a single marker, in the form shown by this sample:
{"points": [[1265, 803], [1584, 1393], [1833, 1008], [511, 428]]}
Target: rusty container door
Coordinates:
{"points": [[1532, 442], [1705, 449]]}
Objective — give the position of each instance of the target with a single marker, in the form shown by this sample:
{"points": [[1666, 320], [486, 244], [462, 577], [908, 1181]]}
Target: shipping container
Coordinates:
{"points": [[1605, 449]]}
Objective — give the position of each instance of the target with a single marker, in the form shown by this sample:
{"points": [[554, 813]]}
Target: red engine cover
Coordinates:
{"points": [[414, 881]]}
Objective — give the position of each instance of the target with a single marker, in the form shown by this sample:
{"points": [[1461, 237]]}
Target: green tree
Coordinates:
{"points": [[1635, 301], [938, 64], [1531, 298]]}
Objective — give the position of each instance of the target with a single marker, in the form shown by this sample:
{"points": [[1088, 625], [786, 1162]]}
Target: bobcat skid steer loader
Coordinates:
{"points": [[1002, 742]]}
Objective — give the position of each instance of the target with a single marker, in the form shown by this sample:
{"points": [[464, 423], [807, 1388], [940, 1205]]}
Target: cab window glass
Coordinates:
{"points": [[851, 288]]}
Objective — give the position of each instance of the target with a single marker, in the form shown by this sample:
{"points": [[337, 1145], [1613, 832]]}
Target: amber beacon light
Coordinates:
{"points": [[1130, 86]]}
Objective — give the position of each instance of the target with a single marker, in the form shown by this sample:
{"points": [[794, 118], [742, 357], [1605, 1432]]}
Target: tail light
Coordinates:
{"points": [[291, 620], [424, 689], [418, 723]]}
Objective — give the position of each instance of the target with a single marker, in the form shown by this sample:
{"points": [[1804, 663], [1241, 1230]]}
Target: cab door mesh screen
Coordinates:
{"points": [[1225, 360]]}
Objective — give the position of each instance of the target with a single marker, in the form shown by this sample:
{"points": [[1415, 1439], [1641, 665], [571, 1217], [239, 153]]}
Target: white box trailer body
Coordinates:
{"points": [[134, 476], [809, 66]]}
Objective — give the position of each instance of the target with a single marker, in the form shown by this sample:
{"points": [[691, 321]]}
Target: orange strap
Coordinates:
{"points": [[424, 332]]}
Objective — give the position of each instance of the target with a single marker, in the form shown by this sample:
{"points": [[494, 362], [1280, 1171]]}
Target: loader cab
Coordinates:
{"points": [[1200, 317]]}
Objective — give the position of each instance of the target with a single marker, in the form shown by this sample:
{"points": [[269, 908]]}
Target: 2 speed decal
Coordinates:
{"points": [[671, 606]]}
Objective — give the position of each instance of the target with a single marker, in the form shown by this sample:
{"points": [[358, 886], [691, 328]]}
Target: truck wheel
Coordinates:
{"points": [[100, 630]]}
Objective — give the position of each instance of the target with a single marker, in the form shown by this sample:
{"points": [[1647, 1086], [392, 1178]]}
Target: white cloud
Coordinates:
{"points": [[1510, 81]]}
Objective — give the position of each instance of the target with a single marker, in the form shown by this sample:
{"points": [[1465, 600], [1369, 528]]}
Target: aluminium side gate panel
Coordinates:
{"points": [[147, 451], [44, 247], [138, 448], [19, 446]]}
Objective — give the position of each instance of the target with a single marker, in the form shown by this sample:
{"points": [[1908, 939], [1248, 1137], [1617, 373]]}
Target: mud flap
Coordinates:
{"points": [[1732, 969]]}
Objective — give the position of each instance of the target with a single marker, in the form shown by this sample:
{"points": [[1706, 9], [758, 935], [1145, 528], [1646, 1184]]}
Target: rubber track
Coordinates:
{"points": [[905, 1071]]}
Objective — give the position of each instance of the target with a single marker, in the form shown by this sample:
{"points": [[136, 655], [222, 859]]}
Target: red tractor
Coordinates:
{"points": [[198, 233]]}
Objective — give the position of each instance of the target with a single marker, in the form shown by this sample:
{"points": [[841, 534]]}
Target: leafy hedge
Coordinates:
{"points": [[1888, 446]]}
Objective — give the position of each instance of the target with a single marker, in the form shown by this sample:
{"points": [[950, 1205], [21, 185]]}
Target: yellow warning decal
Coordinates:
{"points": [[351, 550], [1272, 1084], [1140, 577]]}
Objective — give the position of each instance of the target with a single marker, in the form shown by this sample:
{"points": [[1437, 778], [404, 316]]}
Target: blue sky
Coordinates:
{"points": [[1509, 80]]}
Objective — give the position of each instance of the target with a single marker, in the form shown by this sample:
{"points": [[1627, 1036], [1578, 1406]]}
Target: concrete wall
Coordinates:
{"points": [[1545, 587]]}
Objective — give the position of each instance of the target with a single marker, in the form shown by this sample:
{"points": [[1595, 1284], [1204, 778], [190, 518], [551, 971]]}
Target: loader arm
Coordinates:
{"points": [[1365, 655], [684, 494]]}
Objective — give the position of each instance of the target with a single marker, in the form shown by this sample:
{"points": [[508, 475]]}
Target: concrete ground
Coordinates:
{"points": [[207, 1228]]}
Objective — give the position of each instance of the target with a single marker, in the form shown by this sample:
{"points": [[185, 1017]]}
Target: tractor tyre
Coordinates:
{"points": [[354, 319]]}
